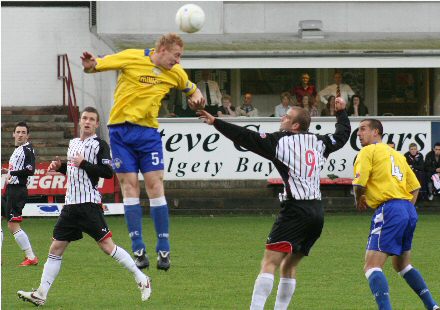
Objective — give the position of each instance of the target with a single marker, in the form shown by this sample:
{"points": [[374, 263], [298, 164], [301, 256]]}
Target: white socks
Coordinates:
{"points": [[50, 272], [23, 242], [263, 287], [123, 258], [286, 288]]}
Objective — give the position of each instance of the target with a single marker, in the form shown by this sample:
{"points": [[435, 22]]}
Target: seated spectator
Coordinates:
{"points": [[329, 109], [309, 103], [415, 160], [227, 109], [247, 109], [284, 106], [357, 107], [338, 89], [305, 88], [432, 169], [392, 145]]}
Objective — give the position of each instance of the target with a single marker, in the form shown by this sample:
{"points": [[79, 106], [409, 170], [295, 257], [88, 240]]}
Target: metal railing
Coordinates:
{"points": [[64, 73]]}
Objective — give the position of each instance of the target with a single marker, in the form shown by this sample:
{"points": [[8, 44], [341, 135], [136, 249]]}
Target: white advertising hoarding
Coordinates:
{"points": [[196, 151]]}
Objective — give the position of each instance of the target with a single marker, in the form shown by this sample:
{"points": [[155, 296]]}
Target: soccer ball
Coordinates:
{"points": [[190, 18]]}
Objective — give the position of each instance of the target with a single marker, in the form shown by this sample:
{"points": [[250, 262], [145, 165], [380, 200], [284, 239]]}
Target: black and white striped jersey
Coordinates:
{"points": [[82, 181], [22, 164], [298, 157]]}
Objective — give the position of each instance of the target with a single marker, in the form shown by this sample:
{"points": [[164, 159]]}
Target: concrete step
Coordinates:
{"points": [[34, 110], [35, 118], [39, 126], [67, 128], [37, 135], [39, 151], [49, 158], [39, 143]]}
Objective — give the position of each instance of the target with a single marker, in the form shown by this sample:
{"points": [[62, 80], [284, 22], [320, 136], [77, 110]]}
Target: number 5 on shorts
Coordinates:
{"points": [[155, 158]]}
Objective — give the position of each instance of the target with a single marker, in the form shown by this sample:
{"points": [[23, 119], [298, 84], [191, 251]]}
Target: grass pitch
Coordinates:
{"points": [[215, 261]]}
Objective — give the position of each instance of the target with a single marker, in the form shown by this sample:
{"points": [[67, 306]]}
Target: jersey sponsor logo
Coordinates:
{"points": [[147, 79], [107, 162]]}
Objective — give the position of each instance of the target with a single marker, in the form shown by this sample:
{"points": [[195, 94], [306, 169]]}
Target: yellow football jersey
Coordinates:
{"points": [[141, 86], [385, 174]]}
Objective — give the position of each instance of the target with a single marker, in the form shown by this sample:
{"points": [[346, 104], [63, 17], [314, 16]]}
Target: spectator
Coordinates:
{"points": [[210, 91], [329, 109], [284, 106], [357, 107], [309, 103], [432, 168], [247, 109], [227, 109], [305, 88], [415, 160], [338, 89]]}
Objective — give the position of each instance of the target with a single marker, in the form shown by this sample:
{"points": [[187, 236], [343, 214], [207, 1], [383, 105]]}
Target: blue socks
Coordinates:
{"points": [[159, 214], [379, 288], [133, 218], [415, 280]]}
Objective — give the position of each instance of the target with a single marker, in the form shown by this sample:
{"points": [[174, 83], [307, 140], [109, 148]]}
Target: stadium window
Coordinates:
{"points": [[403, 91]]}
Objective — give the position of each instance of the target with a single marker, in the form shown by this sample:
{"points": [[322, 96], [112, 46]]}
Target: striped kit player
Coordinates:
{"points": [[299, 157], [88, 160], [21, 166]]}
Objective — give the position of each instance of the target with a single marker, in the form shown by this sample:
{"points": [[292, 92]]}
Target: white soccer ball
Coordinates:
{"points": [[190, 18]]}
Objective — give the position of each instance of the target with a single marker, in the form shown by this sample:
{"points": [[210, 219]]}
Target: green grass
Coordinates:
{"points": [[214, 264]]}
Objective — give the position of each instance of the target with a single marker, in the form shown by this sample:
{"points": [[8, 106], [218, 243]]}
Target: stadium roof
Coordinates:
{"points": [[289, 50]]}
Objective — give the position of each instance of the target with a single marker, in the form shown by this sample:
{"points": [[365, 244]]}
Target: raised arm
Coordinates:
{"points": [[89, 62], [342, 132], [263, 145]]}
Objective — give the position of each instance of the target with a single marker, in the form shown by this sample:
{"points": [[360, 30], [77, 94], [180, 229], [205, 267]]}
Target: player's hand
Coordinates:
{"points": [[54, 165], [206, 117], [77, 160], [340, 104], [361, 203], [88, 62], [5, 171], [196, 101]]}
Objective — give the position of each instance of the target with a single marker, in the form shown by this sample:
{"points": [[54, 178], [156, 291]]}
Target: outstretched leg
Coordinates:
{"points": [[414, 279], [123, 258], [159, 214], [50, 272], [287, 284], [133, 216], [374, 261], [264, 282]]}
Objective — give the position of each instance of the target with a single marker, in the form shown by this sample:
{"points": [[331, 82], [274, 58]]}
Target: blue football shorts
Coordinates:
{"points": [[135, 148], [392, 227]]}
